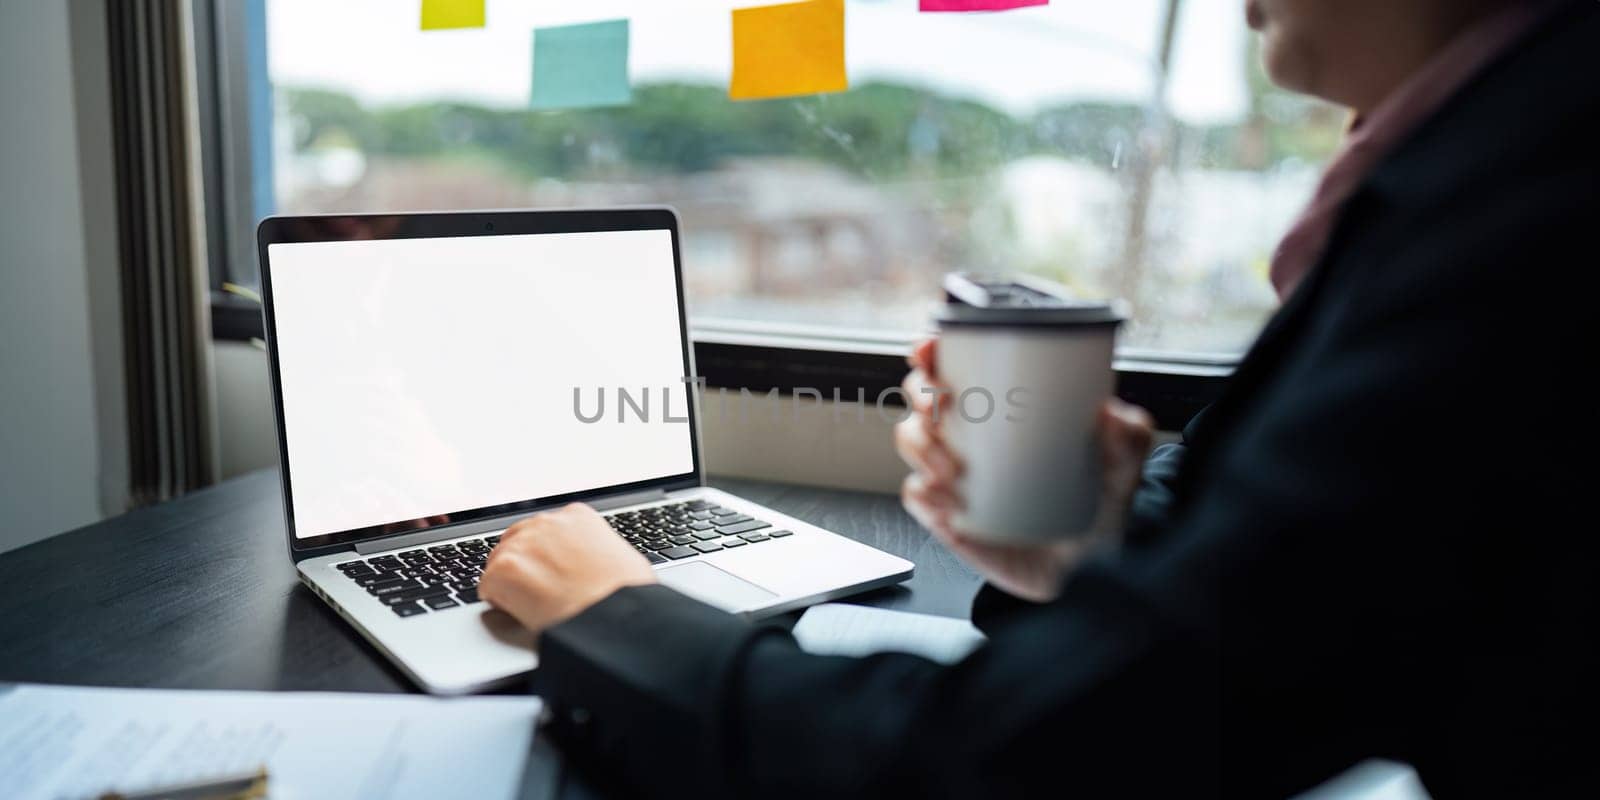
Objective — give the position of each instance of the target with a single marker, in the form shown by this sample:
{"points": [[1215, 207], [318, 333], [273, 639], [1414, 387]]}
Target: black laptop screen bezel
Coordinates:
{"points": [[348, 227]]}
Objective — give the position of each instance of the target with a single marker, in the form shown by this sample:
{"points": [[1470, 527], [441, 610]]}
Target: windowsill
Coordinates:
{"points": [[235, 319], [879, 342], [812, 337]]}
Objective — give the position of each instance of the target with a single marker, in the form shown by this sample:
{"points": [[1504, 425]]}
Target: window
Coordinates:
{"points": [[1030, 140]]}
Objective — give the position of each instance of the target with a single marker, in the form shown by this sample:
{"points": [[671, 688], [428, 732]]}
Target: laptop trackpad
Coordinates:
{"points": [[714, 586]]}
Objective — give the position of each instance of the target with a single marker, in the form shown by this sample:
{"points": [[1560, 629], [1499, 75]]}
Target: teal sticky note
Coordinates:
{"points": [[581, 66]]}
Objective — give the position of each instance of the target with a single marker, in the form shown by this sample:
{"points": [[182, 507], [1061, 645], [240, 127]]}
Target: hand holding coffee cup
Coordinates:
{"points": [[1042, 488], [931, 494]]}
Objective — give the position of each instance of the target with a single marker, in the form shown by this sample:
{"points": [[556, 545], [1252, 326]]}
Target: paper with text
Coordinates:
{"points": [[581, 66], [787, 50], [60, 741], [840, 629]]}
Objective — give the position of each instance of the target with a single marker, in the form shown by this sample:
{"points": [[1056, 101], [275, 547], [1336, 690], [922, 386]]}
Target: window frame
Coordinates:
{"points": [[230, 40]]}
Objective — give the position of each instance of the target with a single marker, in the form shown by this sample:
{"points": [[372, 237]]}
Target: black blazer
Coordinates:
{"points": [[1377, 544]]}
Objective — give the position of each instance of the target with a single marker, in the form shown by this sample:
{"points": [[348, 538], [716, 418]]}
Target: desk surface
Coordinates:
{"points": [[199, 593]]}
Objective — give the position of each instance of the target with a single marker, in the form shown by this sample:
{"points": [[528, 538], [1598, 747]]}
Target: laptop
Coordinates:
{"points": [[437, 377]]}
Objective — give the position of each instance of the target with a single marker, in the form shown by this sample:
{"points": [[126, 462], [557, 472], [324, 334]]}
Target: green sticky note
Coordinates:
{"points": [[439, 15], [581, 66]]}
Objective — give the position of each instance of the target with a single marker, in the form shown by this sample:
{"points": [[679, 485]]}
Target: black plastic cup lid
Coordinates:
{"points": [[1019, 300]]}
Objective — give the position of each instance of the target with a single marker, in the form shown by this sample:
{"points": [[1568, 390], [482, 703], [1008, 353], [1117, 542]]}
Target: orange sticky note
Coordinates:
{"points": [[787, 50], [438, 15]]}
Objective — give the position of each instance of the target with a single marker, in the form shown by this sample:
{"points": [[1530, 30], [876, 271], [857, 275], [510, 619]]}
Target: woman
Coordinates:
{"points": [[1363, 549]]}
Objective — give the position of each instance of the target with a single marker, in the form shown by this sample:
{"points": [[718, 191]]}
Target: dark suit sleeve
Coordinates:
{"points": [[993, 607], [1151, 504], [653, 693]]}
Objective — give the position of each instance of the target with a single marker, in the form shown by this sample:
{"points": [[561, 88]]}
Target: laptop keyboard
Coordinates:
{"points": [[413, 582], [683, 530]]}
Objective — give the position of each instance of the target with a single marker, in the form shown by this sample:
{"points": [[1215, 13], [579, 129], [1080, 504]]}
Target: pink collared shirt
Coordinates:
{"points": [[1377, 134]]}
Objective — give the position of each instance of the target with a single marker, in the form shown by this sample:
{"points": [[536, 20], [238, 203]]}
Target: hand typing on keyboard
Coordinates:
{"points": [[552, 565], [445, 576]]}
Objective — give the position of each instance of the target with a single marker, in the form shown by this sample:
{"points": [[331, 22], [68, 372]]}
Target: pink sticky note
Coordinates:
{"points": [[979, 5]]}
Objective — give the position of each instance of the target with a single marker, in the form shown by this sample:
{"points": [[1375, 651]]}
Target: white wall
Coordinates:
{"points": [[53, 327], [247, 435]]}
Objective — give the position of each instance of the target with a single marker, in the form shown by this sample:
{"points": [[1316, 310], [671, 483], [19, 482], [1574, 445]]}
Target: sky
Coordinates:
{"points": [[1017, 60]]}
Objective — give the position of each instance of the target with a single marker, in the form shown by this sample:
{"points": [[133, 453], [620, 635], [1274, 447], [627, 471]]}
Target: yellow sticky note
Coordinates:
{"points": [[786, 50], [440, 15]]}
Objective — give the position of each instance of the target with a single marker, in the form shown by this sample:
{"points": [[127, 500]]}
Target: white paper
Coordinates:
{"points": [[845, 630], [68, 742]]}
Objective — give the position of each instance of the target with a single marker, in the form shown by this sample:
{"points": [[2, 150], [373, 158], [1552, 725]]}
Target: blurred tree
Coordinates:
{"points": [[1095, 132], [878, 130], [317, 113], [678, 128]]}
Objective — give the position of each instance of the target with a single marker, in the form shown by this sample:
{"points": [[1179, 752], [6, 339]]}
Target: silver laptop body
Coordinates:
{"points": [[404, 579]]}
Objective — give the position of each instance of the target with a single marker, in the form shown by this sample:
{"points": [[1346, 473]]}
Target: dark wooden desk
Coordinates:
{"points": [[199, 593]]}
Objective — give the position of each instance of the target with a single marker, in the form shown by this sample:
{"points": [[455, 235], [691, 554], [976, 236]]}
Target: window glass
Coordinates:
{"points": [[1030, 140]]}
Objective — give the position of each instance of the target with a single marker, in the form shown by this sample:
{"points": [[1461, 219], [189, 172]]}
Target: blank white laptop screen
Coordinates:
{"points": [[423, 377]]}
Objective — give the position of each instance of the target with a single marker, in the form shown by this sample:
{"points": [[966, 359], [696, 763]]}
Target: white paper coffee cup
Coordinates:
{"points": [[1027, 387]]}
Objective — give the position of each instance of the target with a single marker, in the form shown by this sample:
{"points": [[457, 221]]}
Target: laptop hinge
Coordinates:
{"points": [[431, 535], [631, 498]]}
